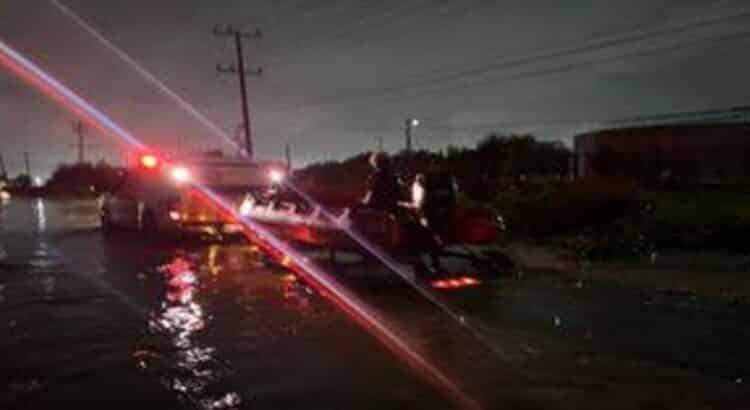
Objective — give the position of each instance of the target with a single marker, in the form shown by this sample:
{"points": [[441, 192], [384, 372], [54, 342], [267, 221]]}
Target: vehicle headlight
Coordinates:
{"points": [[276, 176], [181, 174]]}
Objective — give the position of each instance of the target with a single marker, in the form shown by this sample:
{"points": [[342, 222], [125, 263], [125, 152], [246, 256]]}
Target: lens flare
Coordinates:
{"points": [[146, 74], [347, 302], [55, 90]]}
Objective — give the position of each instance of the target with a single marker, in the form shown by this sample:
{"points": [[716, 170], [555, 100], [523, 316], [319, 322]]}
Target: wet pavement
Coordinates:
{"points": [[88, 320]]}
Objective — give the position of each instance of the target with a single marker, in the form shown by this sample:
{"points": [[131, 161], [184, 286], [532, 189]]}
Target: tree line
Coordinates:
{"points": [[479, 170]]}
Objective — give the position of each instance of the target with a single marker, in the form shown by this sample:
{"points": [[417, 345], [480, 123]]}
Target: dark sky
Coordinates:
{"points": [[339, 74]]}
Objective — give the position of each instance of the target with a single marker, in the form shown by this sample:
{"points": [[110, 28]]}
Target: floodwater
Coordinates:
{"points": [[95, 321]]}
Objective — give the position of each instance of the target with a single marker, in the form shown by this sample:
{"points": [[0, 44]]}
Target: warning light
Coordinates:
{"points": [[149, 161]]}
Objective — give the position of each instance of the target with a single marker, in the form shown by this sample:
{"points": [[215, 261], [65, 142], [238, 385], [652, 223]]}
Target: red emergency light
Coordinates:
{"points": [[149, 161], [456, 283]]}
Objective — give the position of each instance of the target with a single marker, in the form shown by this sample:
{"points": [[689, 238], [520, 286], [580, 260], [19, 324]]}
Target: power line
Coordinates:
{"points": [[383, 93], [680, 117], [545, 55], [349, 37], [577, 65], [386, 16], [119, 52]]}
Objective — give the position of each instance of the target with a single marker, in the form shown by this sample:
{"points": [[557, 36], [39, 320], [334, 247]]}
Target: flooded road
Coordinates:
{"points": [[94, 321]]}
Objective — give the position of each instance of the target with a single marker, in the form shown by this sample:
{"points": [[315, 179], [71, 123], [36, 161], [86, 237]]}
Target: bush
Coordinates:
{"points": [[566, 207]]}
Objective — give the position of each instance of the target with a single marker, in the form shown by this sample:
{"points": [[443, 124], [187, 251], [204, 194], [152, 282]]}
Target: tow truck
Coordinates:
{"points": [[155, 196]]}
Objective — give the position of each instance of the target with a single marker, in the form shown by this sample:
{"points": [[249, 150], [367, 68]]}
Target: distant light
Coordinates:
{"points": [[38, 181], [149, 161], [276, 176], [174, 215], [414, 122], [181, 174]]}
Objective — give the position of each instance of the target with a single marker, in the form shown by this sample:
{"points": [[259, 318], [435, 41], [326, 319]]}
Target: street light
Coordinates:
{"points": [[411, 123]]}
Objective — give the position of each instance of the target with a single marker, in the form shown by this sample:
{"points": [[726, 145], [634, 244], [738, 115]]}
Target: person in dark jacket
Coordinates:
{"points": [[384, 189]]}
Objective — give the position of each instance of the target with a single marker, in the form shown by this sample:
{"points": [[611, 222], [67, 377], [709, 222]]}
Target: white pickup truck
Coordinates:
{"points": [[156, 196]]}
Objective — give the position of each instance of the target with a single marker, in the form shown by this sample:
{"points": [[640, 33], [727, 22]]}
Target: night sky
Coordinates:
{"points": [[340, 74]]}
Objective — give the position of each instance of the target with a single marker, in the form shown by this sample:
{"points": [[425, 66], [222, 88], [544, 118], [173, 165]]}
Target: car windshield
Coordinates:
{"points": [[374, 204]]}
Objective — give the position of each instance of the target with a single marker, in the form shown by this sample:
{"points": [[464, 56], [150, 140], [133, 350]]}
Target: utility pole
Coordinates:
{"points": [[239, 69], [26, 162], [81, 145], [288, 155], [3, 170], [79, 128]]}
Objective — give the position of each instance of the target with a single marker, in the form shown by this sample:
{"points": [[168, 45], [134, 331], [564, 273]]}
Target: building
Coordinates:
{"points": [[685, 152]]}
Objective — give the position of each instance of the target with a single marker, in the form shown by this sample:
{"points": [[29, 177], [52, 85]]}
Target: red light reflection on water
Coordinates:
{"points": [[455, 283], [198, 373]]}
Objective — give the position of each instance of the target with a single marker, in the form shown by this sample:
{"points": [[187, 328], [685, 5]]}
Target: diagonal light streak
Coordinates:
{"points": [[350, 304], [184, 104]]}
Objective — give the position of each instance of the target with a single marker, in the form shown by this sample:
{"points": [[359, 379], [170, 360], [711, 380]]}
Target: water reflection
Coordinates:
{"points": [[295, 292], [40, 214], [190, 367]]}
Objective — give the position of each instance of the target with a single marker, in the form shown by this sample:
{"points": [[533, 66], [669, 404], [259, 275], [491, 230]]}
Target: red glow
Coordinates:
{"points": [[289, 278], [455, 283], [286, 261], [149, 161]]}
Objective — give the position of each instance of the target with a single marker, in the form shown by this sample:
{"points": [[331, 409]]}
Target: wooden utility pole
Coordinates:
{"points": [[288, 155], [81, 144], [27, 163], [239, 69], [3, 170]]}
